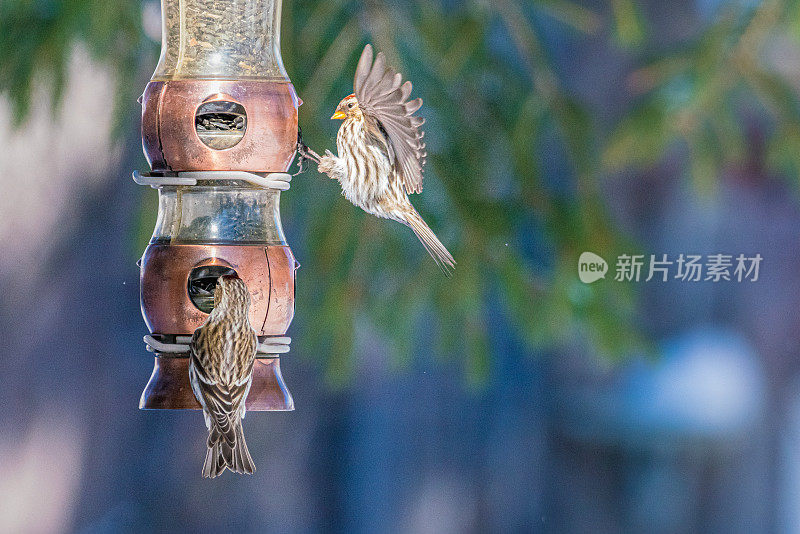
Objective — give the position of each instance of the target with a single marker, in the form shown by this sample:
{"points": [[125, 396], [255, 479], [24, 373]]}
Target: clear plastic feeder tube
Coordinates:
{"points": [[218, 215], [220, 39]]}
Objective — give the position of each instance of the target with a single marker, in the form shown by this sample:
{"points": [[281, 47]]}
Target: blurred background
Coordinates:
{"points": [[508, 398]]}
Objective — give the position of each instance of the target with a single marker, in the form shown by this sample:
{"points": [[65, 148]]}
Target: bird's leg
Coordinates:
{"points": [[313, 156], [304, 153]]}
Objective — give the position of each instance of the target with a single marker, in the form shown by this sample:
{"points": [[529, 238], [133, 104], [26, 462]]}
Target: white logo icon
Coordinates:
{"points": [[591, 267]]}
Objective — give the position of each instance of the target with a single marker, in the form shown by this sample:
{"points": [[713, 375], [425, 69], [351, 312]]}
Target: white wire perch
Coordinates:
{"points": [[274, 180], [272, 345]]}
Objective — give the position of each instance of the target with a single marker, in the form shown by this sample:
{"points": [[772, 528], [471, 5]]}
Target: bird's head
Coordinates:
{"points": [[231, 292], [347, 108]]}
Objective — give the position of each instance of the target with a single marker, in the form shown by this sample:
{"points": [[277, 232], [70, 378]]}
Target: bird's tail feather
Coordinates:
{"points": [[214, 464], [242, 461], [222, 455], [435, 248]]}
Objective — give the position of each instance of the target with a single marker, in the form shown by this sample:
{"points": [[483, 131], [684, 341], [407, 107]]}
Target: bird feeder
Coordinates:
{"points": [[219, 130]]}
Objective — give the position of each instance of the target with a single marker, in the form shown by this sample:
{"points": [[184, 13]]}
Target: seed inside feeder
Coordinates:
{"points": [[220, 124], [214, 39]]}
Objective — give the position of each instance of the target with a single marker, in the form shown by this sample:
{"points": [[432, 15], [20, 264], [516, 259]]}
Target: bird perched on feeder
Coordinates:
{"points": [[380, 150], [222, 353]]}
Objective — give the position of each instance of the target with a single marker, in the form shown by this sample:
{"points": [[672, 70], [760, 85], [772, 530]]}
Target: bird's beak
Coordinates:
{"points": [[339, 114]]}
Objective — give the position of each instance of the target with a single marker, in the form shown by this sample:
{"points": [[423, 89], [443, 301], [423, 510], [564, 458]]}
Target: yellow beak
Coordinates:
{"points": [[339, 115]]}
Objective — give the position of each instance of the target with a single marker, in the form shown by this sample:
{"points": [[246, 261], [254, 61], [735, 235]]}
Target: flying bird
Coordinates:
{"points": [[380, 150], [222, 353]]}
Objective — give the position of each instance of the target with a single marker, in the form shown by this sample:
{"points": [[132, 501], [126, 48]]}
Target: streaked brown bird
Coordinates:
{"points": [[381, 152], [222, 353]]}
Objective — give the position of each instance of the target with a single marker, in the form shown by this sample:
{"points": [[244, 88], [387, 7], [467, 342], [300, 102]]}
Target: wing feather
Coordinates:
{"points": [[383, 97], [413, 105], [222, 401], [363, 68]]}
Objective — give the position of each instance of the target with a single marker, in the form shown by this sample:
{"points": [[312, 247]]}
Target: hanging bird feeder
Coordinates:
{"points": [[219, 130]]}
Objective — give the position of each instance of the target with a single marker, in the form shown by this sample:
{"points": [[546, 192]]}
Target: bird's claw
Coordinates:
{"points": [[304, 153], [301, 164]]}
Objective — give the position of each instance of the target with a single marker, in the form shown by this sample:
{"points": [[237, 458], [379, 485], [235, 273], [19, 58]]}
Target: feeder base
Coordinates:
{"points": [[169, 389]]}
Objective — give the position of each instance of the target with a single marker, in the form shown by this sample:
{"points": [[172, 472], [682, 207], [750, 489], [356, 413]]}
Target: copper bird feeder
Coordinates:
{"points": [[219, 130]]}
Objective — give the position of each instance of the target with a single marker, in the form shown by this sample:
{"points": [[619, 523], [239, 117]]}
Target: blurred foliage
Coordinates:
{"points": [[497, 111], [707, 93], [37, 38]]}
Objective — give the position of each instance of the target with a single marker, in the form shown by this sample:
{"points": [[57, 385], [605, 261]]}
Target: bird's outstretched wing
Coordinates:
{"points": [[383, 96]]}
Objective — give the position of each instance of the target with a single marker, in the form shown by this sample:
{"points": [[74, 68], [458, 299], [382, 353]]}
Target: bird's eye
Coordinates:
{"points": [[350, 105]]}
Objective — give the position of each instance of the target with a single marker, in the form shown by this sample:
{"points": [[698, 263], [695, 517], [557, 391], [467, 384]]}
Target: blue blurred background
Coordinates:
{"points": [[510, 398]]}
